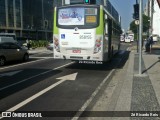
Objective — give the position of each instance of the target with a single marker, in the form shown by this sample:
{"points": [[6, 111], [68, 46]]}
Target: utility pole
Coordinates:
{"points": [[137, 30], [140, 35]]}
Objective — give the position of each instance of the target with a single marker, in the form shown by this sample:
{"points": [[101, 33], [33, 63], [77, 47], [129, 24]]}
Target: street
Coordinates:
{"points": [[62, 89]]}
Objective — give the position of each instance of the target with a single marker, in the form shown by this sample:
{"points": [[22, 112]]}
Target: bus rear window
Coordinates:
{"points": [[77, 16]]}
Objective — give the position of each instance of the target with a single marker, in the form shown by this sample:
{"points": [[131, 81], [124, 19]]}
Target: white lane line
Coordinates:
{"points": [[22, 64], [39, 93], [128, 49], [33, 97], [42, 57], [86, 104], [35, 76]]}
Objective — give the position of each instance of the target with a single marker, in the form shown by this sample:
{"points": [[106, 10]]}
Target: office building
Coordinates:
{"points": [[31, 19]]}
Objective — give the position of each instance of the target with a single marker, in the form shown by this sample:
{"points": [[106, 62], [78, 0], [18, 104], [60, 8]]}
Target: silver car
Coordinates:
{"points": [[10, 51]]}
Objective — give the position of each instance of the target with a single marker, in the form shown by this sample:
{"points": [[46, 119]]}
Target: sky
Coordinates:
{"points": [[125, 9]]}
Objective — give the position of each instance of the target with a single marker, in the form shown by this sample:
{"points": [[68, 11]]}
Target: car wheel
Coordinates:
{"points": [[2, 61], [26, 57]]}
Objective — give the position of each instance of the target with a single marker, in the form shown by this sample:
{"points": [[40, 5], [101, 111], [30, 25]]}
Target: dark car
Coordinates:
{"points": [[10, 51]]}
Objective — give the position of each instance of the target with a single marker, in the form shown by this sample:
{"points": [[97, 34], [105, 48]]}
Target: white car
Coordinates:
{"points": [[122, 38], [127, 39]]}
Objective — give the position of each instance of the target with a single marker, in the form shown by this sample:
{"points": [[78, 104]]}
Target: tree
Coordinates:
{"points": [[146, 24]]}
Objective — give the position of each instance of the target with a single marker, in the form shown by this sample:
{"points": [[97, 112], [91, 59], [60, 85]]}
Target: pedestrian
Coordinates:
{"points": [[28, 44], [149, 43], [147, 46]]}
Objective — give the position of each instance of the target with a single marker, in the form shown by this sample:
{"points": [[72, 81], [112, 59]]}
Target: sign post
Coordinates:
{"points": [[140, 35], [137, 23]]}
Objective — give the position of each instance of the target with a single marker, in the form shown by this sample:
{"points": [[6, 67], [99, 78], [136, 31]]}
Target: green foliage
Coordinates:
{"points": [[38, 43], [146, 24]]}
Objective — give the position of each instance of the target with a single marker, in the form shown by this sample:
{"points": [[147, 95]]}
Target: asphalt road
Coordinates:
{"points": [[46, 84]]}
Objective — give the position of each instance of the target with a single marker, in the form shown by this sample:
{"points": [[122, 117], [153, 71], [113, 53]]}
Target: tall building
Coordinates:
{"points": [[152, 10], [27, 18], [156, 19]]}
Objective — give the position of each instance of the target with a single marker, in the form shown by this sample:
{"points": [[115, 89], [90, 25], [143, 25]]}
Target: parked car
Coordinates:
{"points": [[50, 45], [10, 51], [6, 39]]}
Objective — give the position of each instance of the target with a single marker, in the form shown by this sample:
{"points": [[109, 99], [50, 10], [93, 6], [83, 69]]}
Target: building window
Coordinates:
{"points": [[10, 13], [18, 13], [2, 14]]}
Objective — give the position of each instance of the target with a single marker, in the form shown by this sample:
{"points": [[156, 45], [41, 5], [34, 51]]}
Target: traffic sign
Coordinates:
{"points": [[137, 22]]}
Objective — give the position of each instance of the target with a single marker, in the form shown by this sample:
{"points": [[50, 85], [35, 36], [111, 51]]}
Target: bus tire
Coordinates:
{"points": [[111, 54]]}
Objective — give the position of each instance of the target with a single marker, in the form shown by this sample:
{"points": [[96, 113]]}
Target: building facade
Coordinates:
{"points": [[152, 10], [31, 19]]}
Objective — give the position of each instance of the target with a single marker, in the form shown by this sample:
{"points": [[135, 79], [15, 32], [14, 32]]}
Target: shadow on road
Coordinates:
{"points": [[150, 66], [117, 62]]}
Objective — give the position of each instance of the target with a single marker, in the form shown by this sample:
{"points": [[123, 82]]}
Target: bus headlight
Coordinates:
{"points": [[98, 44], [56, 44]]}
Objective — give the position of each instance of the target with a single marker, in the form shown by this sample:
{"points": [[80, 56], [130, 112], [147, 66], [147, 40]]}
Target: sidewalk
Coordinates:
{"points": [[128, 91], [39, 50]]}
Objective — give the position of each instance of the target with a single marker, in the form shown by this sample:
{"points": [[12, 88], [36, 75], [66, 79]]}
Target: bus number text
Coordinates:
{"points": [[85, 37]]}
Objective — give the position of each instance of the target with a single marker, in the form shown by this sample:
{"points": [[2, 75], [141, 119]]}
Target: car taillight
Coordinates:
{"points": [[97, 46], [56, 44]]}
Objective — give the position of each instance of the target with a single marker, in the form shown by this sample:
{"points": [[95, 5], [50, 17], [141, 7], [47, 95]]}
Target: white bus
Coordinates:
{"points": [[85, 33]]}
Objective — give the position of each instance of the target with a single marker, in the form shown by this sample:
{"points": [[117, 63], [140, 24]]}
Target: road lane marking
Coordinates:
{"points": [[42, 57], [33, 97], [22, 64], [68, 77], [62, 79], [128, 49], [35, 76], [86, 104], [10, 73]]}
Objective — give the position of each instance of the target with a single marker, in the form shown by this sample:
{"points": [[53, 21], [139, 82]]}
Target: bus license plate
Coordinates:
{"points": [[76, 51]]}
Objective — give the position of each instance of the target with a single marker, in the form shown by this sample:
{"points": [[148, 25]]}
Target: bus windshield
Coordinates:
{"points": [[78, 16]]}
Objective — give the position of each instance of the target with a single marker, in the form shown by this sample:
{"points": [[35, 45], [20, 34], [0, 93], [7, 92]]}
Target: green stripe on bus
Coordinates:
{"points": [[55, 30], [99, 29]]}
